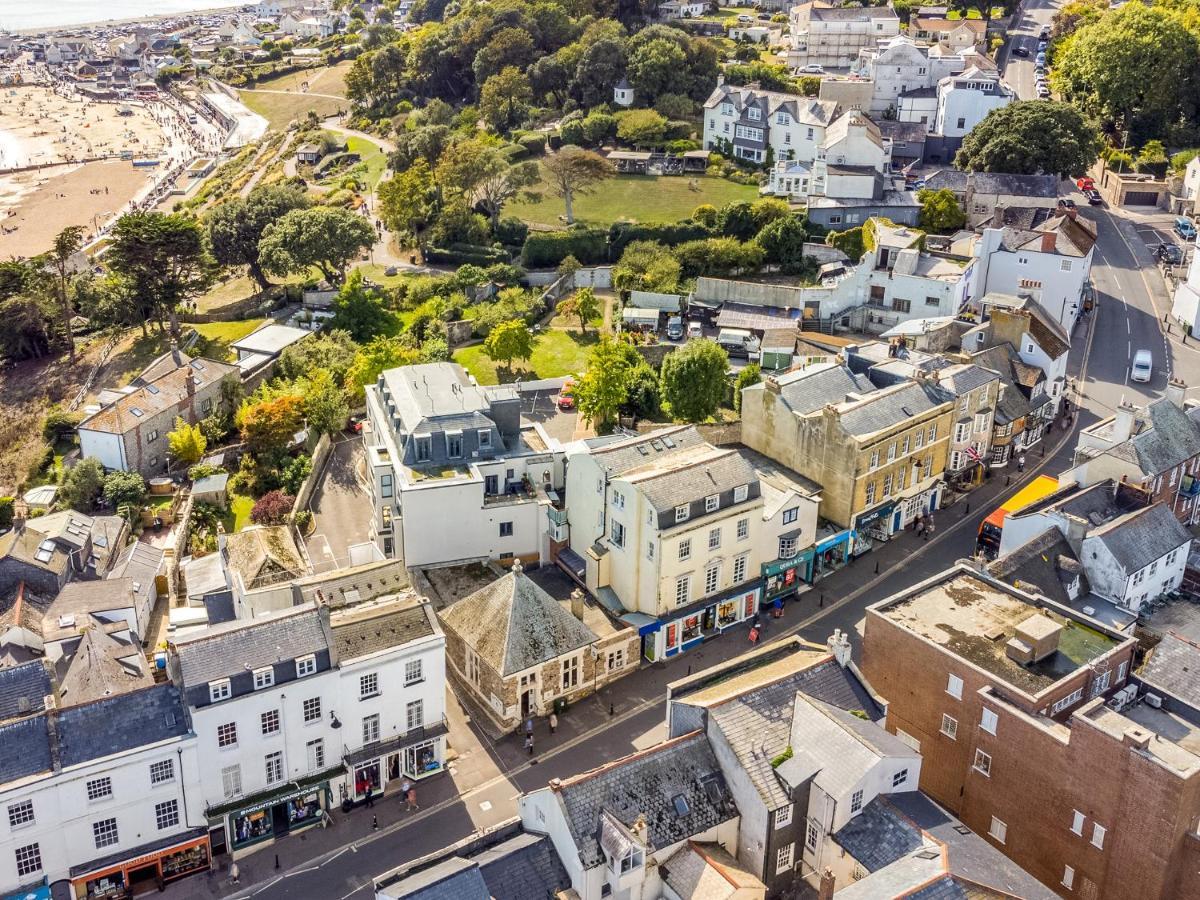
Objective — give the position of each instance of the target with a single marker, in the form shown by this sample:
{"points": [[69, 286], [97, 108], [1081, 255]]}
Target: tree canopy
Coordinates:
{"points": [[693, 380], [573, 171], [187, 443], [163, 257], [237, 225], [324, 237], [1031, 137], [940, 211], [508, 341]]}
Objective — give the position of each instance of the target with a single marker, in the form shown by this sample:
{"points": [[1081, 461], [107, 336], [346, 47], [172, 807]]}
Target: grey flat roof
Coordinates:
{"points": [[270, 339]]}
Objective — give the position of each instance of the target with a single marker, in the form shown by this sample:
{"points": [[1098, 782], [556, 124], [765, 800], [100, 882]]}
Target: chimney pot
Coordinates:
{"points": [[1175, 391], [577, 604]]}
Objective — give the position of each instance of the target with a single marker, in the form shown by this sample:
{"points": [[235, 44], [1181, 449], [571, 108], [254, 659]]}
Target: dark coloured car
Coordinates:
{"points": [[1172, 254], [1066, 203], [1093, 197], [1021, 51]]}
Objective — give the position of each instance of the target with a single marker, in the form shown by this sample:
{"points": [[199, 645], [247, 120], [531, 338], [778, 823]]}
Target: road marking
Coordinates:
{"points": [[485, 806], [1128, 327]]}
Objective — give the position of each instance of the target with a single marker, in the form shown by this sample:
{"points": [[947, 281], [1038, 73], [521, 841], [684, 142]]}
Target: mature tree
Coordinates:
{"points": [[940, 211], [508, 341], [124, 489], [359, 310], [268, 425], [81, 485], [1072, 16], [325, 406], [782, 242], [1138, 67], [482, 174], [425, 142], [236, 226], [550, 77], [60, 259], [642, 392], [641, 127], [509, 48], [381, 354], [583, 303], [505, 98], [737, 220], [187, 443], [325, 237], [24, 331], [648, 55], [693, 380], [750, 374], [654, 68], [573, 171], [163, 257], [597, 73], [604, 387], [646, 266], [272, 508], [1030, 137], [408, 199], [333, 349]]}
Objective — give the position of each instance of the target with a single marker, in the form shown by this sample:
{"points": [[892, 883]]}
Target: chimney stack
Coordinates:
{"points": [[827, 885], [577, 604], [641, 830], [839, 646], [1049, 241], [1123, 425], [1175, 391], [175, 353]]}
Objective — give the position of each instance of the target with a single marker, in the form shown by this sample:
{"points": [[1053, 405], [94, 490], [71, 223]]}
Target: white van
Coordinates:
{"points": [[1143, 366], [739, 342]]}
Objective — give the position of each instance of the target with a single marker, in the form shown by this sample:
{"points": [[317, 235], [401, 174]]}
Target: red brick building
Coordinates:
{"points": [[1035, 732]]}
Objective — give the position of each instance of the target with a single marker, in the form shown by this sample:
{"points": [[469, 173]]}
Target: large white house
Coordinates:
{"points": [[299, 710], [673, 534], [901, 65], [104, 795], [455, 475], [963, 101], [832, 36], [747, 122]]}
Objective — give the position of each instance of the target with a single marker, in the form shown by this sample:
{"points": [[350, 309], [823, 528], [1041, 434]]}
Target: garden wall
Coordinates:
{"points": [[319, 457]]}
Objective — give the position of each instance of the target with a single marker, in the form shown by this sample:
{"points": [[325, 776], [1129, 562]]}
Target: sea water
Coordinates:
{"points": [[23, 15]]}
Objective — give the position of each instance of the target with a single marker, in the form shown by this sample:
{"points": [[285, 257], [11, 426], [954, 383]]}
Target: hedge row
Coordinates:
{"points": [[546, 249], [460, 254]]}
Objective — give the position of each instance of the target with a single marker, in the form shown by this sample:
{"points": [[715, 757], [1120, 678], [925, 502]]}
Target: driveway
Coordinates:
{"points": [[341, 508]]}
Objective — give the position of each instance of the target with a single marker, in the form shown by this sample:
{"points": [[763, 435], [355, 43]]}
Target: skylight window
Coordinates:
{"points": [[151, 389], [137, 412], [681, 805]]}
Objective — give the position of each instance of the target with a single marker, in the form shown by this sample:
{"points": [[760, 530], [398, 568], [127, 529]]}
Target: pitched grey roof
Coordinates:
{"points": [[647, 784], [879, 835], [893, 406], [78, 601], [805, 393], [698, 477], [24, 748], [513, 624], [371, 627], [234, 647], [525, 867], [141, 562], [851, 13], [451, 879], [120, 723], [1043, 565], [23, 689], [757, 724], [966, 377], [1138, 538], [1172, 665], [102, 666], [806, 110], [1169, 438], [430, 391], [994, 183], [622, 455]]}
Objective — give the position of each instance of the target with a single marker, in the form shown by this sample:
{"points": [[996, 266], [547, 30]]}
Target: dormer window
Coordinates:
{"points": [[454, 444], [681, 513], [634, 859], [741, 492], [711, 503], [727, 109], [424, 447], [219, 690], [263, 678], [485, 439], [754, 113]]}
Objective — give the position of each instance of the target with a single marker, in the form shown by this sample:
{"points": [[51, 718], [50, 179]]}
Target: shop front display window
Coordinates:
{"points": [[251, 827], [691, 628], [366, 776], [421, 760], [304, 810], [727, 613]]}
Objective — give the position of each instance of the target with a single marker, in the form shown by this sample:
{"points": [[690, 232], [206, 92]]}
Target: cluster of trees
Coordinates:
{"points": [[743, 236], [1031, 137], [85, 484], [689, 386], [511, 59]]}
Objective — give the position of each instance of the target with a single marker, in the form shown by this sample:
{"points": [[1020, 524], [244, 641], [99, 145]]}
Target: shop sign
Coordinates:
{"points": [[274, 801], [874, 515]]}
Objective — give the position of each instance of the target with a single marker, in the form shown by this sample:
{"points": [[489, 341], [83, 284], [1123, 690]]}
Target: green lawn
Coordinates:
{"points": [[371, 156], [215, 337], [555, 353], [237, 516], [640, 198]]}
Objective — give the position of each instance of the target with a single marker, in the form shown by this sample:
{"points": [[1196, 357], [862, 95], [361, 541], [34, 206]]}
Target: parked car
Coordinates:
{"points": [[739, 342], [1093, 197], [1041, 46], [1086, 183], [744, 19], [1143, 366], [1021, 51], [1043, 92], [1066, 203], [812, 69], [695, 330], [1171, 254], [1185, 228], [566, 396], [1045, 35], [675, 328]]}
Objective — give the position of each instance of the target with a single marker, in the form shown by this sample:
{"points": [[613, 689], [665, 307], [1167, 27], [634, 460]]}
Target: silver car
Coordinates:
{"points": [[1143, 366]]}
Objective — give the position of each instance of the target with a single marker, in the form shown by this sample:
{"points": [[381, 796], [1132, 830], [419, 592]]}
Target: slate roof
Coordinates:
{"points": [[513, 624], [1169, 438], [78, 601], [371, 627], [805, 110], [234, 647], [621, 456], [264, 555], [431, 391], [879, 835], [24, 748], [757, 723], [646, 784], [892, 406], [120, 723], [1138, 538], [451, 879], [1172, 665], [101, 666], [163, 393], [28, 682], [1043, 565], [1045, 186], [1073, 236], [808, 391], [24, 543], [965, 377], [690, 475], [140, 562], [851, 14], [704, 871]]}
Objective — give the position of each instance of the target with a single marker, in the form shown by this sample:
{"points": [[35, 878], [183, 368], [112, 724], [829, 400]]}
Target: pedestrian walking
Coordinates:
{"points": [[374, 823], [370, 797], [529, 725], [410, 797], [553, 722], [234, 874], [777, 608], [529, 744], [1021, 462]]}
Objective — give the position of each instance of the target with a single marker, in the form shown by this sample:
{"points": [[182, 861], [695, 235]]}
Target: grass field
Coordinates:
{"points": [[555, 353], [237, 515], [640, 198], [281, 108], [215, 337]]}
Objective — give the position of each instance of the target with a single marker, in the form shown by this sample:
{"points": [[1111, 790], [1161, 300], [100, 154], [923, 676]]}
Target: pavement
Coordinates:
{"points": [[337, 506]]}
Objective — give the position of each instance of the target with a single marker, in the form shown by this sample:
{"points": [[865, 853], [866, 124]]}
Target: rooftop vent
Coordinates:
{"points": [[1035, 639]]}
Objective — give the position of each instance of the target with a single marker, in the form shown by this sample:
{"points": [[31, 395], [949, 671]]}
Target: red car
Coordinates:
{"points": [[566, 396], [1085, 184]]}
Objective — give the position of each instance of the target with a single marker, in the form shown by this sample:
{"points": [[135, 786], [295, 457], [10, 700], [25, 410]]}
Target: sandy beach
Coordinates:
{"points": [[42, 127]]}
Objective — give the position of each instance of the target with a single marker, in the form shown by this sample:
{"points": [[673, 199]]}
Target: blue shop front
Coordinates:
{"points": [[690, 625]]}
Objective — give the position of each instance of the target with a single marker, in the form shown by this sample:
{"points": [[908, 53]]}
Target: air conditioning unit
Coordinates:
{"points": [[1153, 700]]}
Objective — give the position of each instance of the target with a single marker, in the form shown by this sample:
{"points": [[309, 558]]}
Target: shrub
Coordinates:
{"points": [[81, 485], [458, 254], [675, 106], [59, 424], [6, 512], [572, 133], [533, 144], [678, 130], [203, 470], [599, 127], [544, 249], [272, 508], [121, 488], [303, 520], [294, 473], [511, 232], [621, 234]]}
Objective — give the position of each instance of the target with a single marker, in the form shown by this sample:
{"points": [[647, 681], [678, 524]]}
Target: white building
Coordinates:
{"points": [[104, 795], [747, 122], [832, 36], [1046, 257], [299, 710], [615, 827], [849, 159], [673, 534], [1033, 333], [1137, 557], [901, 65], [963, 101], [1185, 306], [1191, 183], [454, 473]]}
